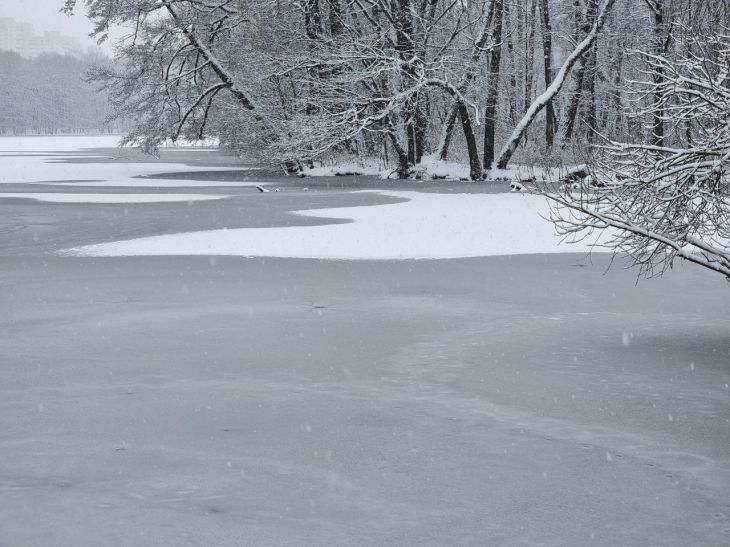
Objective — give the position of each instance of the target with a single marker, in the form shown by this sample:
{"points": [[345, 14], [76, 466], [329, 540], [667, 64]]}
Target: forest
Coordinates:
{"points": [[49, 94], [474, 81]]}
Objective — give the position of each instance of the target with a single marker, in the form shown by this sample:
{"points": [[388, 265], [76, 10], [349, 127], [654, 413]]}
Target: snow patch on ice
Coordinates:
{"points": [[112, 198], [153, 183], [426, 226], [57, 143], [67, 143], [23, 170], [36, 160]]}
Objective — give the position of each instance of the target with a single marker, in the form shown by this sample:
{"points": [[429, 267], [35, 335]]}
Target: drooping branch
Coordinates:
{"points": [[664, 202], [217, 66]]}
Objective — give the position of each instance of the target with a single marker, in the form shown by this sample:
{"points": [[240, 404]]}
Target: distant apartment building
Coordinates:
{"points": [[22, 39]]}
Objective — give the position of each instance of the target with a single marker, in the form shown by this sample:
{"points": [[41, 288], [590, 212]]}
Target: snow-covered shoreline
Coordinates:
{"points": [[432, 169]]}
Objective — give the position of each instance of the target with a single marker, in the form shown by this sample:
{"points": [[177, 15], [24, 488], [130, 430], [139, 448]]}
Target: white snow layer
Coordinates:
{"points": [[66, 143], [158, 183], [111, 198], [427, 226], [60, 143], [37, 169]]}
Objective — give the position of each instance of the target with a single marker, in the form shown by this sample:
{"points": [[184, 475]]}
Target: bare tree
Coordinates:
{"points": [[173, 68], [547, 55], [583, 20], [483, 44], [554, 88], [387, 65], [490, 111], [664, 202]]}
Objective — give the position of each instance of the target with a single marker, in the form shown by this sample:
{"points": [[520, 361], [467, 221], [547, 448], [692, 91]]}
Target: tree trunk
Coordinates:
{"points": [[571, 113], [447, 132], [662, 40], [404, 166], [313, 19], [475, 167], [420, 128], [406, 49], [335, 17], [590, 89], [469, 74], [529, 56], [547, 55], [490, 110], [512, 68], [583, 22]]}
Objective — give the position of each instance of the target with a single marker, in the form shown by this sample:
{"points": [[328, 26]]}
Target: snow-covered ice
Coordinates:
{"points": [[110, 198], [34, 169], [55, 160], [423, 226], [61, 143], [66, 143], [152, 182]]}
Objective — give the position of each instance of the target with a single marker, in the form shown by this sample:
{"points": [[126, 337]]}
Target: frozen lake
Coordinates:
{"points": [[313, 398]]}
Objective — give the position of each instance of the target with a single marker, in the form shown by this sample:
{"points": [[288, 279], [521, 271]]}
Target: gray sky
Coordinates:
{"points": [[44, 15]]}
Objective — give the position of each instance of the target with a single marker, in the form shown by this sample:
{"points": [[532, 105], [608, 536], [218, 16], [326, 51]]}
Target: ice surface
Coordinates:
{"points": [[423, 226], [179, 401], [194, 401]]}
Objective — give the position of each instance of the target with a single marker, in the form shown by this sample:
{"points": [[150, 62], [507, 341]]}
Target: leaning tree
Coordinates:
{"points": [[173, 65]]}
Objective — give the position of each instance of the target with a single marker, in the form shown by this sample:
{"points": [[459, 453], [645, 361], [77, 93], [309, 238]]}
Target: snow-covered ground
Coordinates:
{"points": [[345, 168], [423, 226], [433, 169]]}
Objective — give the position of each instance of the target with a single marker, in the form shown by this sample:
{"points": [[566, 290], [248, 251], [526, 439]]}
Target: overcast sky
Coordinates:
{"points": [[45, 15]]}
